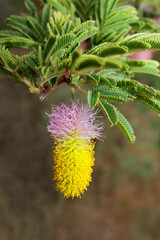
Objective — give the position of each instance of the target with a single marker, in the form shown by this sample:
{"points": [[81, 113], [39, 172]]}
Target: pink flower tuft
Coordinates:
{"points": [[65, 119]]}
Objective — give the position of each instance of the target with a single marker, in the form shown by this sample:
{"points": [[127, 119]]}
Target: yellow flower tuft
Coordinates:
{"points": [[73, 159]]}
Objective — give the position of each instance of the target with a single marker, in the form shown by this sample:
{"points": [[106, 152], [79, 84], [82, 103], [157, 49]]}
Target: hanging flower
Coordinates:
{"points": [[73, 128]]}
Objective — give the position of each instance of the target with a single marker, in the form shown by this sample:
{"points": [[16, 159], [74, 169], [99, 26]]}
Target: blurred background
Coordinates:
{"points": [[123, 200]]}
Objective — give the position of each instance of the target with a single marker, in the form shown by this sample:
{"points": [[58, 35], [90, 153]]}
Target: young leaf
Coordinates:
{"points": [[111, 5], [12, 42], [46, 12], [152, 103], [110, 111], [88, 62], [93, 98], [50, 45], [125, 127], [92, 79], [31, 7], [36, 26], [107, 81]]}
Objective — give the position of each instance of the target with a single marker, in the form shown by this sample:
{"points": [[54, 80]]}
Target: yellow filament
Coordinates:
{"points": [[73, 161]]}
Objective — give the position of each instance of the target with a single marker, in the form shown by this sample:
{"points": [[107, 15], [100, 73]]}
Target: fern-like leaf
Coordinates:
{"points": [[125, 127], [93, 98], [110, 111]]}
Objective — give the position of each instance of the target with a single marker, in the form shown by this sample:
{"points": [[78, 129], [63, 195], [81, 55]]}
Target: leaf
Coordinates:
{"points": [[92, 79], [12, 42], [35, 25], [107, 81], [84, 26], [58, 6], [149, 67], [112, 63], [88, 62], [62, 42], [126, 83], [153, 39], [152, 103], [100, 10], [120, 19], [75, 55], [46, 12], [114, 94], [67, 26], [40, 55], [9, 33], [110, 111], [92, 99], [6, 73], [137, 45], [112, 50], [125, 127], [30, 61], [7, 59], [31, 7], [82, 37], [49, 46], [111, 5], [20, 24], [53, 81]]}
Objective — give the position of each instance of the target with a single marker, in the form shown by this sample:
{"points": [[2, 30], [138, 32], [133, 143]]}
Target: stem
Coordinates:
{"points": [[73, 93], [80, 89]]}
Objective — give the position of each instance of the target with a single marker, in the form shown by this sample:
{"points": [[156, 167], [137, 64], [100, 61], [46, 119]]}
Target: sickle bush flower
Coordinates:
{"points": [[73, 128]]}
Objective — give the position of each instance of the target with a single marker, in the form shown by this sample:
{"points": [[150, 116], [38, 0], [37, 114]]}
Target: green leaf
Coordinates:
{"points": [[120, 19], [7, 59], [127, 83], [58, 6], [82, 37], [93, 98], [35, 25], [112, 50], [53, 81], [125, 127], [6, 73], [20, 24], [137, 45], [9, 33], [110, 111], [112, 63], [149, 67], [46, 12], [40, 55], [31, 7], [12, 42], [62, 42], [67, 26], [92, 79], [153, 39], [152, 103], [88, 62], [30, 61], [75, 55], [107, 81], [114, 94], [84, 26], [100, 10], [49, 46], [111, 5]]}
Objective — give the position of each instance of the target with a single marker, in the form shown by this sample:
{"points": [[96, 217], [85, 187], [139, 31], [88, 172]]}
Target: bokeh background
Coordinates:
{"points": [[123, 200]]}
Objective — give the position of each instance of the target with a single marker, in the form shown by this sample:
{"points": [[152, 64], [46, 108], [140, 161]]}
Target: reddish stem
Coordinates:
{"points": [[47, 90]]}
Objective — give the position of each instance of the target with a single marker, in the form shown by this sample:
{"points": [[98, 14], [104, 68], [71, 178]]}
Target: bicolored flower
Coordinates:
{"points": [[73, 128]]}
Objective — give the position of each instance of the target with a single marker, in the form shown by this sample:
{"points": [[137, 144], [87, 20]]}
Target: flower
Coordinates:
{"points": [[73, 128]]}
